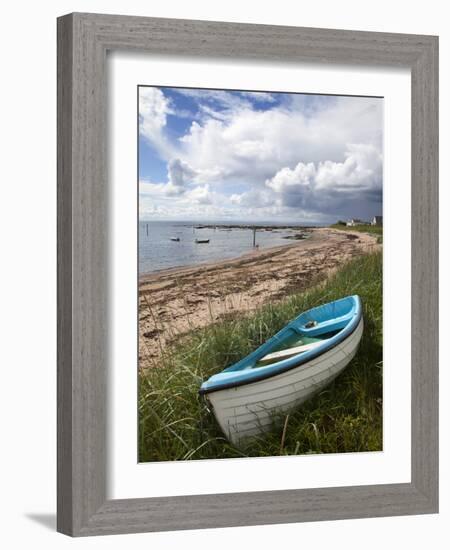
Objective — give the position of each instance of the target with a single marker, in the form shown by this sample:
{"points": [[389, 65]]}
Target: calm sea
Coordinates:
{"points": [[157, 251]]}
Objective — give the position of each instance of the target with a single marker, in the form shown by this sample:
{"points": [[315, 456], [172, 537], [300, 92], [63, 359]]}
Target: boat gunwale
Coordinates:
{"points": [[302, 358]]}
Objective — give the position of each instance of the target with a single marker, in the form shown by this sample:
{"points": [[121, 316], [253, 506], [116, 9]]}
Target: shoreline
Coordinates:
{"points": [[250, 255], [175, 301]]}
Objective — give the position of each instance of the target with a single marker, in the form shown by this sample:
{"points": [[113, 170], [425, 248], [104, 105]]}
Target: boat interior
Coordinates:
{"points": [[307, 336], [308, 331]]}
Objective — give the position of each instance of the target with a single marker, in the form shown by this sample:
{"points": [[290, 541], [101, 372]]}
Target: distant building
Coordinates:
{"points": [[377, 220], [356, 221]]}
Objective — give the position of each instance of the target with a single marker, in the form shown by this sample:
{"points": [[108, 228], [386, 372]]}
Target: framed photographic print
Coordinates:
{"points": [[222, 169], [247, 274]]}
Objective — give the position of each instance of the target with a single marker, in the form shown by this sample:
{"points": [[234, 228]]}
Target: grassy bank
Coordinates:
{"points": [[371, 229], [345, 417]]}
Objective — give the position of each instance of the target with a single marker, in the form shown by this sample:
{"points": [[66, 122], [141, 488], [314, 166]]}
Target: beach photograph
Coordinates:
{"points": [[260, 289]]}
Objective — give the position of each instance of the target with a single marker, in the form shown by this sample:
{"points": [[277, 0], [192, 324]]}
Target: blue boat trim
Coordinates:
{"points": [[240, 374]]}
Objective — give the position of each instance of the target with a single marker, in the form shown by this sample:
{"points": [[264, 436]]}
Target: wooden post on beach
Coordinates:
{"points": [[254, 237]]}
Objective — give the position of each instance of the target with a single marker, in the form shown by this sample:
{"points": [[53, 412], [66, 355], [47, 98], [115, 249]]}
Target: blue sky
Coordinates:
{"points": [[258, 156]]}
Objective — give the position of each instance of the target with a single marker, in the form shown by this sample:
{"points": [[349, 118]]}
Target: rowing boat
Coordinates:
{"points": [[251, 396]]}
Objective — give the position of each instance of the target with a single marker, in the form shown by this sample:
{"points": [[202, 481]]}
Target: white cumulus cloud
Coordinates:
{"points": [[154, 107], [180, 174], [201, 195], [320, 156], [326, 185]]}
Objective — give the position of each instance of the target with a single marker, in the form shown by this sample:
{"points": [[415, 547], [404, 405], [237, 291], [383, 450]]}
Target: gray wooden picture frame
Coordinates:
{"points": [[83, 41]]}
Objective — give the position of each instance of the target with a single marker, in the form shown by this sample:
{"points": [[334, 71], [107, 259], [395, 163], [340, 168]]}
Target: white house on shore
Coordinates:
{"points": [[377, 220], [355, 221]]}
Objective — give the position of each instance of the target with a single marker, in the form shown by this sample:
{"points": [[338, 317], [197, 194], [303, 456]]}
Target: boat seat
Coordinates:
{"points": [[289, 352], [324, 326]]}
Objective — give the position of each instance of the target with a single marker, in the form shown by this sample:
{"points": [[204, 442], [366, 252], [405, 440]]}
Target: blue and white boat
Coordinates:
{"points": [[306, 355]]}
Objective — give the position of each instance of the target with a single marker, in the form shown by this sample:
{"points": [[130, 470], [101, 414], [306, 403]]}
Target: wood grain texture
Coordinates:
{"points": [[64, 329], [424, 277], [83, 40]]}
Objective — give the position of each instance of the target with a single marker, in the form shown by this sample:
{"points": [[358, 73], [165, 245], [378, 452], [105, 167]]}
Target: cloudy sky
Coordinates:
{"points": [[257, 156]]}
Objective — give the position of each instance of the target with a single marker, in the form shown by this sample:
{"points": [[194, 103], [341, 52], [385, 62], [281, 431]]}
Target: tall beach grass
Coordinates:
{"points": [[174, 423]]}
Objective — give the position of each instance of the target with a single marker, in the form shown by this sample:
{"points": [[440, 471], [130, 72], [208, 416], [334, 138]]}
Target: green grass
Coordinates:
{"points": [[345, 417]]}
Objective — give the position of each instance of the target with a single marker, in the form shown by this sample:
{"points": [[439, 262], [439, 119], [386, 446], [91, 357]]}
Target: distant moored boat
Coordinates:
{"points": [[202, 241], [175, 239]]}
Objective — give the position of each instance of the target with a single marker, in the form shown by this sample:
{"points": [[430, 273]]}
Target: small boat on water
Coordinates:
{"points": [[249, 397], [202, 241], [176, 239]]}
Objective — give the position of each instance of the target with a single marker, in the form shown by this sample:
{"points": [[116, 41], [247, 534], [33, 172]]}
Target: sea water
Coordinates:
{"points": [[157, 251]]}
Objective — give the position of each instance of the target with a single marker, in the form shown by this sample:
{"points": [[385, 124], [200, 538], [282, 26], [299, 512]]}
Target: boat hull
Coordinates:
{"points": [[252, 409]]}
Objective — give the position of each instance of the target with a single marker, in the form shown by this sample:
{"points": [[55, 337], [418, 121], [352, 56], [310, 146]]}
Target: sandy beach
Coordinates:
{"points": [[175, 301]]}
